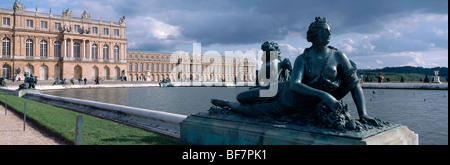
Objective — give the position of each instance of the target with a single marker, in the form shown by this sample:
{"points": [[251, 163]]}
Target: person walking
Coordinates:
{"points": [[85, 80], [380, 78], [97, 81], [79, 81]]}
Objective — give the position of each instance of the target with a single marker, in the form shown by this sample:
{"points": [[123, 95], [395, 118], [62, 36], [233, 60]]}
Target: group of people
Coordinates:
{"points": [[72, 81]]}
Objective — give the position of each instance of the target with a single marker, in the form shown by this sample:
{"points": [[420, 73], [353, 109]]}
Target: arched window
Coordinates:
{"points": [[6, 47], [44, 48], [130, 68], [152, 68], [95, 52], [57, 48], [106, 52], [142, 67], [76, 50], [136, 67], [116, 53], [146, 66], [29, 48]]}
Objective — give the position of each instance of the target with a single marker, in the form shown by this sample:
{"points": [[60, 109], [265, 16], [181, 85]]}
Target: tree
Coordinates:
{"points": [[402, 79], [426, 80]]}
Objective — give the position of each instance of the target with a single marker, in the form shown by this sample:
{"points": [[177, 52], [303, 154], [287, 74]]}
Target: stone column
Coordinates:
{"points": [[84, 49], [71, 48], [90, 50], [65, 48]]}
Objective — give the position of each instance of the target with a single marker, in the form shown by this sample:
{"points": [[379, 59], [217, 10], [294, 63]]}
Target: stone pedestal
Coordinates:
{"points": [[22, 92], [201, 129], [436, 79]]}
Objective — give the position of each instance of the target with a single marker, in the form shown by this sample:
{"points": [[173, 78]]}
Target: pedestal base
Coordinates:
{"points": [[22, 92], [203, 130]]}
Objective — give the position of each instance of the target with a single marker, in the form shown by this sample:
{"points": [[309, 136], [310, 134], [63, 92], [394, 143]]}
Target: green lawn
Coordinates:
{"points": [[61, 122]]}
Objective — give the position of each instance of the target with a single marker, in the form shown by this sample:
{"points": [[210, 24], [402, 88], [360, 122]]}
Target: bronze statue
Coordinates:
{"points": [[283, 65], [3, 81], [322, 75], [26, 83]]}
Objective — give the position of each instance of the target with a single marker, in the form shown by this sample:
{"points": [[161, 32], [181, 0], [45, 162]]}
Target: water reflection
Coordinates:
{"points": [[423, 111]]}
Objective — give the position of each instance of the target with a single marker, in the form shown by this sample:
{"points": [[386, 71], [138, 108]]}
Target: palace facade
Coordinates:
{"points": [[60, 46], [63, 46], [184, 67]]}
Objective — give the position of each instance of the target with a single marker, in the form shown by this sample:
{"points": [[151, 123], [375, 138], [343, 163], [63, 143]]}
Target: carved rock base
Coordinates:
{"points": [[201, 129], [22, 92]]}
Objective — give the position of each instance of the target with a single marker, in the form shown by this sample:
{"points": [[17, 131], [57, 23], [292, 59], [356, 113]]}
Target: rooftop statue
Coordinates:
{"points": [[18, 7], [322, 75]]}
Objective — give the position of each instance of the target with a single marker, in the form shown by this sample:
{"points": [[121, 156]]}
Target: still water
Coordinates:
{"points": [[424, 111]]}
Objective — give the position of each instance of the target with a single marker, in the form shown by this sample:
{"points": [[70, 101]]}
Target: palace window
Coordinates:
{"points": [[43, 24], [6, 21], [44, 48], [116, 53], [95, 30], [116, 32], [58, 26], [30, 23], [94, 51], [76, 50], [77, 28], [29, 48], [106, 52], [57, 48], [106, 31], [6, 47]]}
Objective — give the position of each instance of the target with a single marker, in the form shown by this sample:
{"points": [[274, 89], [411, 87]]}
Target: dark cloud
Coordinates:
{"points": [[246, 22]]}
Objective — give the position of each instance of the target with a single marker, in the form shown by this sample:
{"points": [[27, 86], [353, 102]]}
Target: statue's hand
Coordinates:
{"points": [[365, 119], [331, 102]]}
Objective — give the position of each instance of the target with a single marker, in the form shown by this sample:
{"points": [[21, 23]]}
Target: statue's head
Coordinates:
{"points": [[26, 74], [319, 31]]}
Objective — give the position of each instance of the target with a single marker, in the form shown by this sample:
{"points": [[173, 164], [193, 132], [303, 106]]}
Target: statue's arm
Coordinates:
{"points": [[302, 89], [357, 92]]}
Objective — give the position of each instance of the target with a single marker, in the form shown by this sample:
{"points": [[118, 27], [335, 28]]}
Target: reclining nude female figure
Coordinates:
{"points": [[321, 75]]}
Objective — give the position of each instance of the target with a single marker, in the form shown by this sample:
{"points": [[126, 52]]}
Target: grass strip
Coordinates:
{"points": [[61, 123]]}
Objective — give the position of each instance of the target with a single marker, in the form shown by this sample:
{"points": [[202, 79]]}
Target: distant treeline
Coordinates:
{"points": [[408, 73]]}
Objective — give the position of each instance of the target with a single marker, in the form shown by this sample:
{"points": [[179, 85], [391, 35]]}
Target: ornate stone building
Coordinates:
{"points": [[182, 66], [64, 46]]}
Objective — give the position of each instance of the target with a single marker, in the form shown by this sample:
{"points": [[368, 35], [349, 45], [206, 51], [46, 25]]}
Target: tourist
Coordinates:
{"points": [[72, 81], [79, 81], [97, 81], [361, 78], [380, 78], [85, 80]]}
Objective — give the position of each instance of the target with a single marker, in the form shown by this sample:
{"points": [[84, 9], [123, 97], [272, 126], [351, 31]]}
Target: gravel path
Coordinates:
{"points": [[11, 132]]}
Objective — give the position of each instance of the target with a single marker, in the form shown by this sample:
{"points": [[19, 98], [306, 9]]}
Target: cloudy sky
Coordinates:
{"points": [[373, 33]]}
